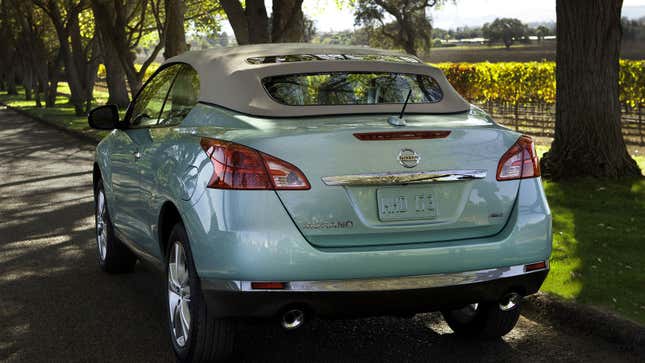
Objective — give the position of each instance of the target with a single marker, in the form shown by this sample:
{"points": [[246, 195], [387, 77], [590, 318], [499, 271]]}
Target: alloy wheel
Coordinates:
{"points": [[179, 294], [101, 225]]}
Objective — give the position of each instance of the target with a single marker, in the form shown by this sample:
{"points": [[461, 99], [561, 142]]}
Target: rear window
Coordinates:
{"points": [[352, 88], [332, 57]]}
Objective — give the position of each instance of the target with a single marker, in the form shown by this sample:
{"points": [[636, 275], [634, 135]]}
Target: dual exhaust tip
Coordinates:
{"points": [[510, 301], [294, 318]]}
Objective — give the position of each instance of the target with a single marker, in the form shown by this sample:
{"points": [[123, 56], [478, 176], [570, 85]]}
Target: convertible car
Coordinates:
{"points": [[288, 181]]}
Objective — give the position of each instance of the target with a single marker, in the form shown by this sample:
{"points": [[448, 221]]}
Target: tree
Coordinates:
{"points": [[122, 25], [34, 29], [175, 37], [542, 32], [78, 47], [588, 139], [105, 22], [251, 23], [29, 51], [411, 26], [505, 30], [288, 21], [9, 63], [309, 30]]}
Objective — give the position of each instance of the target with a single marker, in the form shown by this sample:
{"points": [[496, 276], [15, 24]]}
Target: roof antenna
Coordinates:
{"points": [[400, 121]]}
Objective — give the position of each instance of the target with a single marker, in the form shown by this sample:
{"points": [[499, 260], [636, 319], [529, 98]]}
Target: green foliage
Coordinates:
{"points": [[410, 30], [530, 82], [632, 83], [152, 68], [505, 30], [204, 17], [541, 31]]}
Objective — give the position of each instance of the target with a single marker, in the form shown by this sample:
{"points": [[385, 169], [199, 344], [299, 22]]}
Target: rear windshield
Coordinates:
{"points": [[325, 57], [352, 88]]}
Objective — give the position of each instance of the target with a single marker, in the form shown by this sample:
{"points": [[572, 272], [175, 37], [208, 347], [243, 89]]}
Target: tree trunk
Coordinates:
{"points": [[11, 79], [27, 83], [38, 86], [258, 21], [55, 75], [175, 33], [115, 78], [288, 21], [251, 25], [112, 19], [33, 53], [72, 55], [407, 34], [114, 73], [237, 17], [588, 140]]}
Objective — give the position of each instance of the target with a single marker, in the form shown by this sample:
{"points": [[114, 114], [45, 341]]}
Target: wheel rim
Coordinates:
{"points": [[101, 225], [179, 294]]}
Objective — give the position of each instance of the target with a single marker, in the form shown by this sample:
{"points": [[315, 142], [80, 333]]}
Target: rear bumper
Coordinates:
{"points": [[248, 236], [368, 297]]}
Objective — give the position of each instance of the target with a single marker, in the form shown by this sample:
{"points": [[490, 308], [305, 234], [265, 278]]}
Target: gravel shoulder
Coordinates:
{"points": [[58, 306]]}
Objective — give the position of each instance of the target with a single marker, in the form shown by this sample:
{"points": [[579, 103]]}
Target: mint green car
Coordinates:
{"points": [[290, 180]]}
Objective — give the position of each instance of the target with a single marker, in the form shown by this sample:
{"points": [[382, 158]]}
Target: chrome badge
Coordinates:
{"points": [[409, 158]]}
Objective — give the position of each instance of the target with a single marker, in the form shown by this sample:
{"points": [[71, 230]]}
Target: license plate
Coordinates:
{"points": [[395, 204]]}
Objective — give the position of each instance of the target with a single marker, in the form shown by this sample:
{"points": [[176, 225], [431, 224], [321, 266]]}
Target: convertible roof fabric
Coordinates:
{"points": [[229, 79]]}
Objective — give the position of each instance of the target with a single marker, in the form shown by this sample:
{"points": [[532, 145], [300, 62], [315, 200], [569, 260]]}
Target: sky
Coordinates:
{"points": [[329, 17], [464, 12]]}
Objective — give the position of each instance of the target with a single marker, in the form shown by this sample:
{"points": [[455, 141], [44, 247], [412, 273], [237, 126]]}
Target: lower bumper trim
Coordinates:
{"points": [[342, 299], [381, 284]]}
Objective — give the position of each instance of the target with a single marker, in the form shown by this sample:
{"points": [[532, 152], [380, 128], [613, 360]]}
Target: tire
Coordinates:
{"points": [[484, 320], [206, 339], [114, 256]]}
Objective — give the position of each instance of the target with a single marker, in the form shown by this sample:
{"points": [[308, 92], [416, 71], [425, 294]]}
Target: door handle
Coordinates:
{"points": [[137, 155]]}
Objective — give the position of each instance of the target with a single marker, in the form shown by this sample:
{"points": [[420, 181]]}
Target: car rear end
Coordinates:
{"points": [[326, 206], [358, 232]]}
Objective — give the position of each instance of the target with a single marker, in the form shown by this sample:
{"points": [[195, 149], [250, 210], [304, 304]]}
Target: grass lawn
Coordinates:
{"points": [[598, 229], [599, 242]]}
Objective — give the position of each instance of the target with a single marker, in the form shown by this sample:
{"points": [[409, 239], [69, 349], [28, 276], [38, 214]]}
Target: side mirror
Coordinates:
{"points": [[104, 117]]}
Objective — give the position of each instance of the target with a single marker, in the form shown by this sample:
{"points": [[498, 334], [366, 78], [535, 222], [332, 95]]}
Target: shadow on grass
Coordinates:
{"points": [[598, 249]]}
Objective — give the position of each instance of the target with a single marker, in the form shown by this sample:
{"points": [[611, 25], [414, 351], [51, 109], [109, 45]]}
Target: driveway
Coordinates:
{"points": [[56, 304]]}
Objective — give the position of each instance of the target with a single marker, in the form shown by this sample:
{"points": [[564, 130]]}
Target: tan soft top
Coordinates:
{"points": [[228, 79]]}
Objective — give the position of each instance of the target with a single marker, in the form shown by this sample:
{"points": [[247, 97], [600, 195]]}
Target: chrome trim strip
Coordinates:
{"points": [[417, 177], [383, 284]]}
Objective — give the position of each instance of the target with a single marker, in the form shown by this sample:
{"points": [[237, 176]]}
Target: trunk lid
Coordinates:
{"points": [[355, 201]]}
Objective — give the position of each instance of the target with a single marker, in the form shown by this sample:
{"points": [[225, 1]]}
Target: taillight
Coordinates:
{"points": [[519, 162], [239, 167]]}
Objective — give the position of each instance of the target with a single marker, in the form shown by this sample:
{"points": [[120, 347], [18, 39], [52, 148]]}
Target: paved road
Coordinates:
{"points": [[56, 305]]}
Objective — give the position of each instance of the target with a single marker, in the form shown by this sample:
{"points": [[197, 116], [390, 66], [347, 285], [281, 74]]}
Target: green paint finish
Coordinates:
{"points": [[260, 235]]}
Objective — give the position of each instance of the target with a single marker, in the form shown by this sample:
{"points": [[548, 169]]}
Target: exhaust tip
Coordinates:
{"points": [[510, 301], [292, 319]]}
